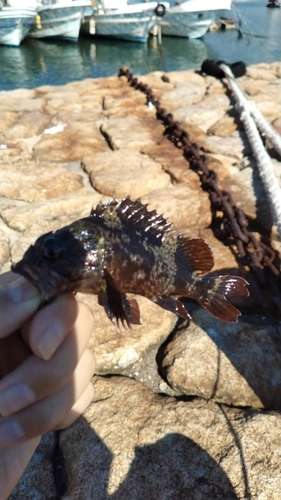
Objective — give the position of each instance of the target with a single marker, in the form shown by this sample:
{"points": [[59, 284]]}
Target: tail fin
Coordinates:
{"points": [[214, 292]]}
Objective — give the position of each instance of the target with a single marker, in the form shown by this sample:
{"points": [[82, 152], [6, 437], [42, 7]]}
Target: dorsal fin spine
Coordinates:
{"points": [[135, 213]]}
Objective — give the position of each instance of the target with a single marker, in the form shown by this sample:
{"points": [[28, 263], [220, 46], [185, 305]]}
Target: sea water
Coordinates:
{"points": [[256, 39]]}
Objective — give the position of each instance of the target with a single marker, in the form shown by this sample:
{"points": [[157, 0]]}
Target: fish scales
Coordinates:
{"points": [[124, 248]]}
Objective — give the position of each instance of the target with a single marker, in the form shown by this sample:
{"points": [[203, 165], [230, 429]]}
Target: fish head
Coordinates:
{"points": [[54, 264]]}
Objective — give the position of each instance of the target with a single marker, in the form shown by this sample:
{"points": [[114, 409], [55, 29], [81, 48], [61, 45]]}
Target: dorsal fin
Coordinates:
{"points": [[195, 253], [127, 212]]}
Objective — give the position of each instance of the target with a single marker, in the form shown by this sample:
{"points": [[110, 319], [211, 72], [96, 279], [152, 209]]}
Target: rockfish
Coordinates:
{"points": [[124, 248]]}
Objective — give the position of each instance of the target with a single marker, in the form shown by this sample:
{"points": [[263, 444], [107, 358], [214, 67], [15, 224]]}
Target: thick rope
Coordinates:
{"points": [[265, 128], [270, 182]]}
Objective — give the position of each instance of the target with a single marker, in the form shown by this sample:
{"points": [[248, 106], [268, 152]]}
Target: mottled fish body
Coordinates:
{"points": [[123, 248]]}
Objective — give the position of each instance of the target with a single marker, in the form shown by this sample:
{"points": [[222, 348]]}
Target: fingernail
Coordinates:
{"points": [[21, 291], [15, 398], [10, 432], [50, 340]]}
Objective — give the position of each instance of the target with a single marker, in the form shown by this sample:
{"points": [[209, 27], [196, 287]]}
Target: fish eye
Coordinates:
{"points": [[51, 249]]}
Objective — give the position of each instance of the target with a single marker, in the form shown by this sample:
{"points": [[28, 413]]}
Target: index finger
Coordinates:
{"points": [[19, 300]]}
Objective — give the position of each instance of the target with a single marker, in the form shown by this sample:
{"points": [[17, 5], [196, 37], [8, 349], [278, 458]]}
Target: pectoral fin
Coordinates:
{"points": [[173, 305], [117, 306]]}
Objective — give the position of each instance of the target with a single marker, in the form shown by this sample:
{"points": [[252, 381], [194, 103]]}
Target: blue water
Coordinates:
{"points": [[37, 62]]}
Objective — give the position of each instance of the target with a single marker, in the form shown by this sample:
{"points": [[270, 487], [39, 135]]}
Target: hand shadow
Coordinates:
{"points": [[174, 467]]}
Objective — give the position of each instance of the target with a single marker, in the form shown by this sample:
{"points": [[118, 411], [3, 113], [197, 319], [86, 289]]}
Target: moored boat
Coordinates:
{"points": [[192, 18], [223, 24], [15, 22], [59, 19], [273, 3], [117, 19]]}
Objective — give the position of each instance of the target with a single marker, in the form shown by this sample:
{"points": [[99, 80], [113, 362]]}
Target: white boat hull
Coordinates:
{"points": [[59, 21], [131, 23], [15, 24], [192, 18]]}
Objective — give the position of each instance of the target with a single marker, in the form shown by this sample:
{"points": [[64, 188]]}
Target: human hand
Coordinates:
{"points": [[45, 370]]}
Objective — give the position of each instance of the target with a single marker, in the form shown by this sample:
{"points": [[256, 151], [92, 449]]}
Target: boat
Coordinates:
{"points": [[192, 18], [223, 24], [118, 19], [273, 3], [59, 19], [15, 22]]}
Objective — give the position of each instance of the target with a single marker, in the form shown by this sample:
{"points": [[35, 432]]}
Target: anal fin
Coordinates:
{"points": [[116, 305], [173, 305]]}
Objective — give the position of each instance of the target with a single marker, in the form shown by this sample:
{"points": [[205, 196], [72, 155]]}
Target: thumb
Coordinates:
{"points": [[18, 301]]}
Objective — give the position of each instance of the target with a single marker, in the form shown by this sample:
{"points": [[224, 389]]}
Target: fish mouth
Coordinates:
{"points": [[26, 272], [46, 287]]}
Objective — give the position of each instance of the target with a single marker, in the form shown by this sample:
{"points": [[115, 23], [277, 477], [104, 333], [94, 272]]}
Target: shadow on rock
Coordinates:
{"points": [[234, 363], [174, 467]]}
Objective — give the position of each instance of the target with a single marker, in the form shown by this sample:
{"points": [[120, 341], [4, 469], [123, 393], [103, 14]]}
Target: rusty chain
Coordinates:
{"points": [[232, 226]]}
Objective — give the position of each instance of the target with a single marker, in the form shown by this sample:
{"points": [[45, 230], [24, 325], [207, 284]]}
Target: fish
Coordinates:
{"points": [[123, 248]]}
